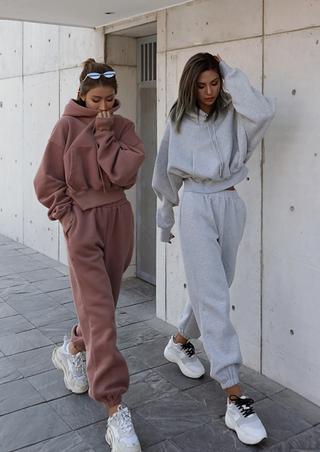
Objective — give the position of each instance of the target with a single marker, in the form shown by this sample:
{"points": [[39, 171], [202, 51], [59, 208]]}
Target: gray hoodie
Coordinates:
{"points": [[213, 152]]}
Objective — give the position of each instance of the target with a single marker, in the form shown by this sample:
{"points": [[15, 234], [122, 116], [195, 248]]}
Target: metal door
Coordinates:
{"points": [[147, 130]]}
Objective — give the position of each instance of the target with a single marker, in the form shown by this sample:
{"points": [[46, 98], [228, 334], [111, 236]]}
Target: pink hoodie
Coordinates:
{"points": [[88, 161]]}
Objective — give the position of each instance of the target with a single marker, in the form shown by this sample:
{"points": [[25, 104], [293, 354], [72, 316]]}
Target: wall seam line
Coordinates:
{"points": [[23, 130], [261, 202]]}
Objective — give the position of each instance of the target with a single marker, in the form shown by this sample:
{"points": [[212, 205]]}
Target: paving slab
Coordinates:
{"points": [[14, 324], [18, 430], [308, 441], [172, 373], [212, 396], [8, 371], [135, 334], [211, 437], [150, 353], [34, 361], [26, 303], [280, 423], [146, 387], [50, 384], [51, 285], [175, 415], [21, 342], [40, 275], [16, 395], [70, 442], [56, 331], [79, 410], [164, 446], [6, 310], [297, 404]]}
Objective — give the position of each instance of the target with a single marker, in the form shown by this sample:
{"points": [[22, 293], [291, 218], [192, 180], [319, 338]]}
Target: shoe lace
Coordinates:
{"points": [[244, 405], [78, 362], [124, 419], [188, 348]]}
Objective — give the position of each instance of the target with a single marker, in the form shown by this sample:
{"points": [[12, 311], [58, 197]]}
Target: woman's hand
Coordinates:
{"points": [[104, 114], [218, 58], [171, 239]]}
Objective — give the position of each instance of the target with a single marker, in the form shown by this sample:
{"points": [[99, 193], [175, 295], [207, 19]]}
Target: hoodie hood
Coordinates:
{"points": [[87, 114]]}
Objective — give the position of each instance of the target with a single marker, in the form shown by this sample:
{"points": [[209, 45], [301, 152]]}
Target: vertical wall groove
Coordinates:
{"points": [[261, 178]]}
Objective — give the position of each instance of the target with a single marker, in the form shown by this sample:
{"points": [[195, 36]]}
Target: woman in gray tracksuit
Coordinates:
{"points": [[210, 135]]}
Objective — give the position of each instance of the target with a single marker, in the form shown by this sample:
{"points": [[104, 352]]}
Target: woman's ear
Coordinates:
{"points": [[82, 97]]}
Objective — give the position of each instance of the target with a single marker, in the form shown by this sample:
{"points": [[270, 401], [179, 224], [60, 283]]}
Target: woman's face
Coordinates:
{"points": [[208, 87], [99, 98]]}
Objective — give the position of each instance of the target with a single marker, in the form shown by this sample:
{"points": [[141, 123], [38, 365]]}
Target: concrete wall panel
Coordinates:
{"points": [[291, 326], [79, 44], [40, 48], [69, 85], [41, 112], [11, 158], [10, 49], [200, 23], [121, 50], [291, 213], [286, 15]]}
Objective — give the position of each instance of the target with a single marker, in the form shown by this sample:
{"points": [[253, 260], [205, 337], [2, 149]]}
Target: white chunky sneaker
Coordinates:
{"points": [[184, 356], [72, 366], [241, 418], [120, 435]]}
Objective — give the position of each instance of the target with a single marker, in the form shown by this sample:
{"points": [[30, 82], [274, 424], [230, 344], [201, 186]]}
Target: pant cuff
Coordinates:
{"points": [[183, 334], [112, 401], [230, 383]]}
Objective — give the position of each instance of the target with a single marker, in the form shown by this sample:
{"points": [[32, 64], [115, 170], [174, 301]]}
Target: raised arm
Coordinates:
{"points": [[256, 110], [120, 159]]}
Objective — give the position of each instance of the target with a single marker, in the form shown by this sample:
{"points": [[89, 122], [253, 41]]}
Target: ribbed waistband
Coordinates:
{"points": [[210, 186], [92, 198]]}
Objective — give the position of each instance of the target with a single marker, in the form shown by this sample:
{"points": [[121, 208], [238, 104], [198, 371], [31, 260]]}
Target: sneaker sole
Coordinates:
{"points": [[245, 439], [114, 448], [59, 365], [175, 359]]}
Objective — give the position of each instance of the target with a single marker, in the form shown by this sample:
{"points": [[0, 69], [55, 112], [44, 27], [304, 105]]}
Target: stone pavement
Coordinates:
{"points": [[171, 413]]}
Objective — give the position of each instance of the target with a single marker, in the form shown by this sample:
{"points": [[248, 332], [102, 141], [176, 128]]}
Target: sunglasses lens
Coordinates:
{"points": [[109, 74], [94, 75]]}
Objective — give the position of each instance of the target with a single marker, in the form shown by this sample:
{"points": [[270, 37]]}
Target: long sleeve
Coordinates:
{"points": [[50, 186], [120, 159], [256, 110], [166, 186]]}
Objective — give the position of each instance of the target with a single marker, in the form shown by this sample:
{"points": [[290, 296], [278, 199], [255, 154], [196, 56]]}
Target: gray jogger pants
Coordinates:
{"points": [[211, 227]]}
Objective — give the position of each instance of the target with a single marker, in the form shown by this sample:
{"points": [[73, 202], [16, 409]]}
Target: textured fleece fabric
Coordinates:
{"points": [[88, 161], [100, 243], [211, 151], [210, 228], [87, 165], [209, 157]]}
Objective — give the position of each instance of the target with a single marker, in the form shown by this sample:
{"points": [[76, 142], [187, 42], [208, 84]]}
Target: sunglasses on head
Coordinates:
{"points": [[97, 75]]}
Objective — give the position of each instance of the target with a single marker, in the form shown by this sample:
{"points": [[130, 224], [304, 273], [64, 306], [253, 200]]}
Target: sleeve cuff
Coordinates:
{"points": [[104, 123], [165, 235]]}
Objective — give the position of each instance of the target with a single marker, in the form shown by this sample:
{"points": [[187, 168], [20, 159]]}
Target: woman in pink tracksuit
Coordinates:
{"points": [[92, 157]]}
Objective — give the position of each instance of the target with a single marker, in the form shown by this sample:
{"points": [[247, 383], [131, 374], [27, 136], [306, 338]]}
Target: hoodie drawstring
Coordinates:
{"points": [[216, 148]]}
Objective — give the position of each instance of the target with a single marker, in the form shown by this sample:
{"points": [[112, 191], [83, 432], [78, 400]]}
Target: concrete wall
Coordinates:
{"points": [[275, 295], [39, 72]]}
